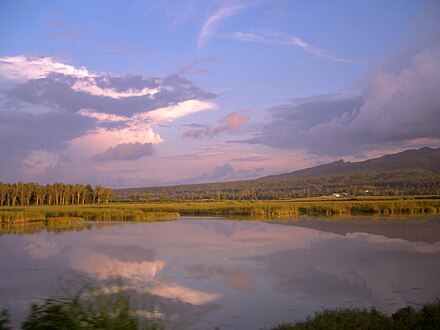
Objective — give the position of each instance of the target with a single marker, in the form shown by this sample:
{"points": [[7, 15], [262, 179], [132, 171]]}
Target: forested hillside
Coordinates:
{"points": [[411, 172]]}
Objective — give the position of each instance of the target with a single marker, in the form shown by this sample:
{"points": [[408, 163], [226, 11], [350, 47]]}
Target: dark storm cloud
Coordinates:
{"points": [[125, 151], [306, 113], [69, 93], [394, 109], [398, 104], [22, 132]]}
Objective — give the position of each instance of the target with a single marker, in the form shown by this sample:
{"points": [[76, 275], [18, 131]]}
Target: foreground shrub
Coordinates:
{"points": [[87, 310], [406, 318]]}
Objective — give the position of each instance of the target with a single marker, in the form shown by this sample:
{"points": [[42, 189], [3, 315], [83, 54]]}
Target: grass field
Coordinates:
{"points": [[165, 210]]}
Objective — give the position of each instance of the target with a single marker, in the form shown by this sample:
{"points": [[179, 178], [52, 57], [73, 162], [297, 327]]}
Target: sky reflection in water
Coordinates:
{"points": [[200, 274]]}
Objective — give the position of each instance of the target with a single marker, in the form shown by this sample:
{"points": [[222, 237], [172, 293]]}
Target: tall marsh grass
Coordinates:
{"points": [[282, 208], [157, 211], [57, 214]]}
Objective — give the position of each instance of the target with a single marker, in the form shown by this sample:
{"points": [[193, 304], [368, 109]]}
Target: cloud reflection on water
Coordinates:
{"points": [[212, 269], [39, 247], [357, 267], [140, 276]]}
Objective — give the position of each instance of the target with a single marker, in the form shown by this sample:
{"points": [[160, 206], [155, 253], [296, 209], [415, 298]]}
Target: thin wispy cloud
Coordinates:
{"points": [[63, 30], [278, 39], [52, 19], [69, 35], [212, 23]]}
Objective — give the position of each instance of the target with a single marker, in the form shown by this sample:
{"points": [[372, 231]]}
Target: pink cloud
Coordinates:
{"points": [[235, 119], [228, 124]]}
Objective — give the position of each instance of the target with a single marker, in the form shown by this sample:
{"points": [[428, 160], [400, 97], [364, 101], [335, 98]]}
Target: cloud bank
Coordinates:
{"points": [[72, 113], [126, 151], [395, 108], [223, 173]]}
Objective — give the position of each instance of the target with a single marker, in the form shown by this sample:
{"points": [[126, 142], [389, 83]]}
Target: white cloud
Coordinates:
{"points": [[251, 37], [139, 276], [104, 267], [135, 129], [175, 291], [179, 110], [21, 68], [102, 139], [89, 86], [102, 117]]}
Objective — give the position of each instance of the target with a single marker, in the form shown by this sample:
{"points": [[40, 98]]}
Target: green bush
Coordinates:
{"points": [[87, 310], [406, 318]]}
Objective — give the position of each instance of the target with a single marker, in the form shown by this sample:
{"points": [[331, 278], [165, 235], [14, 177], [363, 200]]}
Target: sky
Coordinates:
{"points": [[161, 92]]}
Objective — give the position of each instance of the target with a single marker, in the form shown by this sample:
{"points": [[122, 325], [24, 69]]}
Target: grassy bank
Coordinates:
{"points": [[52, 226], [165, 210]]}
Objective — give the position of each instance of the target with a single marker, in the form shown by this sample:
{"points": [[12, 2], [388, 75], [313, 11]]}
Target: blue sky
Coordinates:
{"points": [[134, 93]]}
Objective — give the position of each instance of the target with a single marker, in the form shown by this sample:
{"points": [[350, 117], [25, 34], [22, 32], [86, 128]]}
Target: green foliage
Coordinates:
{"points": [[4, 320], [73, 314], [85, 310], [24, 194], [410, 319], [406, 318]]}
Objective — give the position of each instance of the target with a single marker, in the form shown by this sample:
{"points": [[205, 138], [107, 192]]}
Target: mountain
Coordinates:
{"points": [[427, 159], [409, 172]]}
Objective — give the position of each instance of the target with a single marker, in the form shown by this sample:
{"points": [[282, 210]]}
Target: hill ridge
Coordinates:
{"points": [[410, 172], [386, 162]]}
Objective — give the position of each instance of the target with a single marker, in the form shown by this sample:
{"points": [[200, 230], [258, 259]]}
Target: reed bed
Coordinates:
{"points": [[283, 208], [75, 213], [157, 211]]}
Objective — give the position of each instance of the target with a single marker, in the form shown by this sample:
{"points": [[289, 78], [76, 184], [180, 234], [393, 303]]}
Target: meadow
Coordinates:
{"points": [[154, 211]]}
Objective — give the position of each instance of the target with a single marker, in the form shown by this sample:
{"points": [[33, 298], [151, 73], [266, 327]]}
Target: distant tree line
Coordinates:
{"points": [[404, 182], [22, 194]]}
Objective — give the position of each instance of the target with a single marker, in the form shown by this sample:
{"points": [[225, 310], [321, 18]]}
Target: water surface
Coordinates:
{"points": [[202, 273]]}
